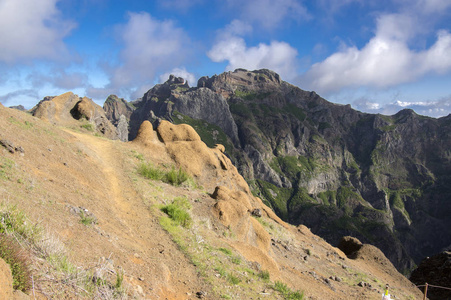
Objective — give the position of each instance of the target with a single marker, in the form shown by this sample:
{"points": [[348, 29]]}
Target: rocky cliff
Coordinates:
{"points": [[382, 179]]}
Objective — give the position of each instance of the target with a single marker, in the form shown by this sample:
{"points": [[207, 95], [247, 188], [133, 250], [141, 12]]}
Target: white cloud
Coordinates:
{"points": [[180, 5], [333, 6], [58, 78], [270, 14], [230, 46], [430, 6], [437, 108], [386, 60], [180, 72], [26, 97], [151, 46], [32, 29], [236, 27]]}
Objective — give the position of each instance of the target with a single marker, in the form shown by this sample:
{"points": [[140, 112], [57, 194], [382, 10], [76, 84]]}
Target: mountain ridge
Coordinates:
{"points": [[312, 160], [105, 219]]}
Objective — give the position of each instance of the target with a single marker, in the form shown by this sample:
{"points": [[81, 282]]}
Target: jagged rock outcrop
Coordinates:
{"points": [[435, 270], [118, 111], [116, 107], [67, 108], [382, 179], [87, 109], [174, 97]]}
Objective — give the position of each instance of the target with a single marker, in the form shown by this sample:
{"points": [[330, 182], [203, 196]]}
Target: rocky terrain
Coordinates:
{"points": [[436, 271], [382, 179], [163, 216]]}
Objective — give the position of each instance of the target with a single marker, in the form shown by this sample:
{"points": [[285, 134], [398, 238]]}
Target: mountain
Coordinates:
{"points": [[164, 216], [383, 179]]}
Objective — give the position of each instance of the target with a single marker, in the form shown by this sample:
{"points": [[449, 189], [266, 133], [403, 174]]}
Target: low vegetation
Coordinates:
{"points": [[12, 254], [286, 292], [24, 244], [174, 176], [209, 133], [86, 219], [178, 211]]}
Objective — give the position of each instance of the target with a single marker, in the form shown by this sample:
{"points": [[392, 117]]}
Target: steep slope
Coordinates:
{"points": [[235, 248], [435, 271], [327, 166]]}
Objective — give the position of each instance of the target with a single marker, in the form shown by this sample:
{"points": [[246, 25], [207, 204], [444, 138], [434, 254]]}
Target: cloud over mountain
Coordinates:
{"points": [[388, 59], [230, 46], [149, 46]]}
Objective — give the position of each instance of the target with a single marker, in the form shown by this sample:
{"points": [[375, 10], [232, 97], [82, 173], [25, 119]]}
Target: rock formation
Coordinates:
{"points": [[67, 108], [382, 179], [118, 111]]}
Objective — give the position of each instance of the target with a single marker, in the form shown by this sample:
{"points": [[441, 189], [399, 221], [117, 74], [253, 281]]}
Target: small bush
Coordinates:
{"points": [[86, 219], [236, 260], [148, 171], [178, 211], [286, 292], [88, 126], [61, 263], [263, 275], [119, 279], [221, 271], [14, 221], [176, 177], [225, 251], [11, 253], [233, 279]]}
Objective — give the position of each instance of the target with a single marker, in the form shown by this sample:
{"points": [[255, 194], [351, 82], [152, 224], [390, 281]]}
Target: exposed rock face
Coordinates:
{"points": [[122, 129], [86, 108], [118, 111], [382, 179], [67, 108], [435, 270], [175, 96], [56, 110], [115, 107]]}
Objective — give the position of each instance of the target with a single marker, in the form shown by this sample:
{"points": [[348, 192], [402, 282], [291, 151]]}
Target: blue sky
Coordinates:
{"points": [[379, 56]]}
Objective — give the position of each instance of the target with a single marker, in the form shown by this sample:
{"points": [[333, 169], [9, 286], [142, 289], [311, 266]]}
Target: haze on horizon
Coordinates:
{"points": [[378, 56]]}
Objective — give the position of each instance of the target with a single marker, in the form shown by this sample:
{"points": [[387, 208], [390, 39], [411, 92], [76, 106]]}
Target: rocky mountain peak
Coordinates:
{"points": [[177, 81], [240, 79]]}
